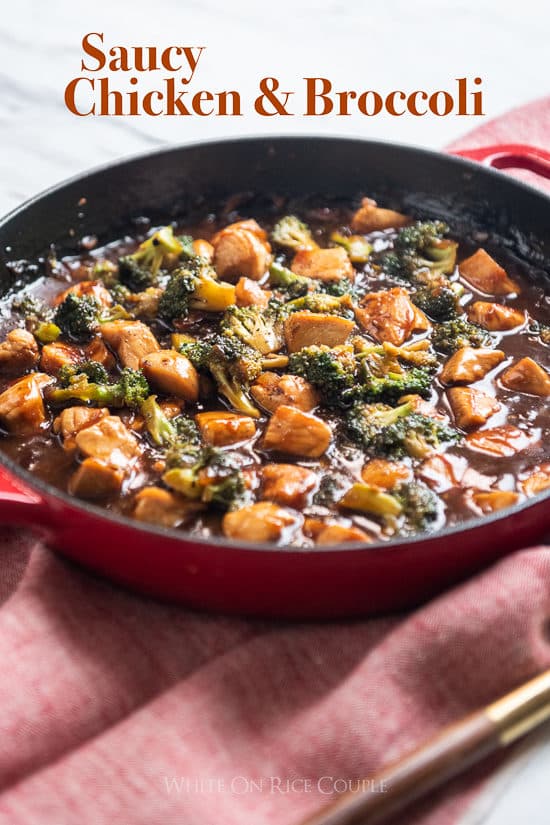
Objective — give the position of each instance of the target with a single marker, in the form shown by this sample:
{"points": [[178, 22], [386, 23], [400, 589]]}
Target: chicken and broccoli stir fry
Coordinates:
{"points": [[313, 377]]}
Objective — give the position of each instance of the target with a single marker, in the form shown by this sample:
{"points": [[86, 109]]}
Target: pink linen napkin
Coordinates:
{"points": [[118, 710]]}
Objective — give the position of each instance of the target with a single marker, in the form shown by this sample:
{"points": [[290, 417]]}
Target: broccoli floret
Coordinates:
{"points": [[393, 385], [451, 336], [356, 246], [46, 332], [332, 371], [439, 302], [382, 376], [396, 431], [321, 302], [544, 333], [292, 233], [258, 328], [207, 474], [93, 370], [331, 488], [77, 317], [168, 432], [421, 508], [34, 311], [139, 270], [107, 272], [194, 287], [119, 293], [234, 366], [420, 246], [338, 289], [288, 282], [129, 391]]}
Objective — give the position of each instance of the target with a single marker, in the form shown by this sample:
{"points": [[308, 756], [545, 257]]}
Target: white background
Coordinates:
{"points": [[383, 45]]}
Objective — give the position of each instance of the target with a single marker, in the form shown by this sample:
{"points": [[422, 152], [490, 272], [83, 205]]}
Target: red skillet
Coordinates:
{"points": [[264, 580]]}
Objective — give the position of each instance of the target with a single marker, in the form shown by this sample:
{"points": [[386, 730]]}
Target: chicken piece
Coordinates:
{"points": [[18, 352], [305, 329], [488, 501], [471, 408], [22, 409], [87, 289], [527, 376], [203, 249], [97, 351], [501, 442], [249, 293], [132, 341], [420, 405], [339, 534], [442, 472], [260, 522], [537, 481], [241, 249], [171, 373], [297, 433], [389, 315], [468, 365], [157, 506], [370, 218], [57, 355], [483, 273], [172, 407], [288, 484], [223, 428], [495, 317], [145, 304], [108, 441], [385, 474], [95, 480], [72, 420], [271, 390], [323, 264]]}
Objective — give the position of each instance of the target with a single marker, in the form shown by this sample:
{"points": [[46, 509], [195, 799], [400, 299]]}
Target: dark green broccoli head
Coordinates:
{"points": [[130, 390], [422, 508], [256, 327], [198, 353], [420, 246], [396, 431], [168, 432], [451, 336], [339, 289], [393, 385], [332, 371], [321, 302], [284, 280], [174, 301], [234, 366], [292, 233], [77, 317], [93, 370], [440, 303], [207, 474], [139, 270]]}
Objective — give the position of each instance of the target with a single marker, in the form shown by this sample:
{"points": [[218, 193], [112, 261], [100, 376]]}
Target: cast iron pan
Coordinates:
{"points": [[222, 575]]}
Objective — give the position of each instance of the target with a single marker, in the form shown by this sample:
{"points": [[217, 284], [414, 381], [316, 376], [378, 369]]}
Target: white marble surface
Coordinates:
{"points": [[355, 43]]}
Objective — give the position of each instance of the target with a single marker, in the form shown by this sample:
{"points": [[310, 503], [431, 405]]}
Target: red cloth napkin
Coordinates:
{"points": [[117, 710]]}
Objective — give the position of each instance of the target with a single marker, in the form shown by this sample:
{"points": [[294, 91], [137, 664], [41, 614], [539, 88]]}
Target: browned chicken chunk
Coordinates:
{"points": [[471, 408], [339, 534], [260, 522], [495, 317], [72, 420], [288, 484], [108, 441], [271, 390], [249, 293], [468, 365], [57, 355], [22, 409], [370, 218], [297, 433], [97, 351], [18, 352], [305, 329], [95, 480], [157, 506], [223, 428], [527, 376], [483, 273], [203, 249], [442, 472], [323, 264], [132, 341], [384, 474], [87, 289], [172, 373], [502, 441], [489, 501], [389, 316], [241, 249], [537, 481]]}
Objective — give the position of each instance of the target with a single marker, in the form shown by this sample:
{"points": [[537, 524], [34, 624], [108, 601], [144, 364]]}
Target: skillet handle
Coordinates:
{"points": [[511, 156], [20, 505]]}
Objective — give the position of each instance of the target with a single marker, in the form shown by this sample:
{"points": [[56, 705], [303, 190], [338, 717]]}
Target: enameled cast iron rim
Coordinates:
{"points": [[178, 535]]}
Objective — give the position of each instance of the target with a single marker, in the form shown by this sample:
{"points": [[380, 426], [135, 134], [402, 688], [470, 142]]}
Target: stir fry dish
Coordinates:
{"points": [[309, 376]]}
